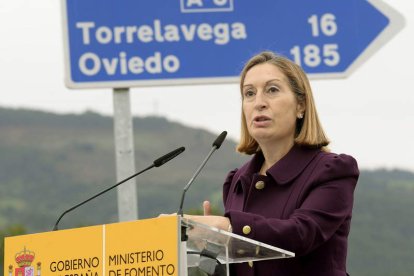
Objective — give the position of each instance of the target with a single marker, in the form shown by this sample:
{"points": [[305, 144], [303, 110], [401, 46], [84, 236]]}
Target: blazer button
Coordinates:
{"points": [[259, 185], [247, 229]]}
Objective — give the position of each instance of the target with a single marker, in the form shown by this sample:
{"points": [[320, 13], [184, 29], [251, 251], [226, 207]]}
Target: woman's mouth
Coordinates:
{"points": [[261, 121], [261, 118]]}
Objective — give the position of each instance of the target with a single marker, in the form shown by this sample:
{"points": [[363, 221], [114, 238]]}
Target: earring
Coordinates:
{"points": [[300, 116]]}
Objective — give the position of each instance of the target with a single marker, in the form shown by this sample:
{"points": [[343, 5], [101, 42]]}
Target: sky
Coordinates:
{"points": [[368, 115]]}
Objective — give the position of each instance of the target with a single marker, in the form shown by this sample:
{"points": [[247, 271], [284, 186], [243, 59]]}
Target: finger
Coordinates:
{"points": [[207, 208], [167, 215]]}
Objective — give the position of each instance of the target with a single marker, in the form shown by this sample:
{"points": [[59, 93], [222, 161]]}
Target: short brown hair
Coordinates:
{"points": [[309, 131]]}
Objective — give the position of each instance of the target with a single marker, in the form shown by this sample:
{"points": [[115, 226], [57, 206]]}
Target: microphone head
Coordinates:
{"points": [[164, 159], [217, 143]]}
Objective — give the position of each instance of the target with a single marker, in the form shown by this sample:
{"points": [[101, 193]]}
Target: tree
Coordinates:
{"points": [[12, 230]]}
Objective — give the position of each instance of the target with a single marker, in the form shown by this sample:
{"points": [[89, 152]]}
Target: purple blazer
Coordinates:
{"points": [[303, 204]]}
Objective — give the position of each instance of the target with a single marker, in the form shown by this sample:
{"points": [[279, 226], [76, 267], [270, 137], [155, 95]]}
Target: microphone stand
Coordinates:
{"points": [[180, 211], [157, 163], [98, 194], [216, 145]]}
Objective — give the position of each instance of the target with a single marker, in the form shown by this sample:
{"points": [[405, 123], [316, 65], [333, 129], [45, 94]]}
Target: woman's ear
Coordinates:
{"points": [[300, 110]]}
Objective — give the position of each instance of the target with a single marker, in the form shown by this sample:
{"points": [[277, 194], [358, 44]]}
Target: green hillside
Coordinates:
{"points": [[49, 162], [381, 240]]}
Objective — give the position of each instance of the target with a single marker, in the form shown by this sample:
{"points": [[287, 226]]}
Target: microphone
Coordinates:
{"points": [[216, 145], [157, 163]]}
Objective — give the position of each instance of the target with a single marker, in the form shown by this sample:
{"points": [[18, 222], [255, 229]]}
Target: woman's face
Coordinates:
{"points": [[269, 105]]}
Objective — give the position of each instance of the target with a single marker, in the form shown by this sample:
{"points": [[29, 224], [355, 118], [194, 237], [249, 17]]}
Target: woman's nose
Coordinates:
{"points": [[260, 101]]}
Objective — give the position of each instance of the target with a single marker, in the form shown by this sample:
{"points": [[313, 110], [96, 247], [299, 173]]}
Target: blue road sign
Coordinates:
{"points": [[124, 43]]}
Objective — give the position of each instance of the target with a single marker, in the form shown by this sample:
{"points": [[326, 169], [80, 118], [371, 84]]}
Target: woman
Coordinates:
{"points": [[293, 193]]}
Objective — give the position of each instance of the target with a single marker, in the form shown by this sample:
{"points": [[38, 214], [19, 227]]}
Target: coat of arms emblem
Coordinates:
{"points": [[24, 261]]}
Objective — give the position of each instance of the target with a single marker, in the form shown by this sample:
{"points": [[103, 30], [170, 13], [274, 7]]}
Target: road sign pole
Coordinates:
{"points": [[124, 154]]}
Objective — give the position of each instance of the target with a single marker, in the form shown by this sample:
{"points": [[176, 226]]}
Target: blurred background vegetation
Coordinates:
{"points": [[50, 162]]}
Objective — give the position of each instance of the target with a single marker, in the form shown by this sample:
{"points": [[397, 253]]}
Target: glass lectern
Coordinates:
{"points": [[210, 248]]}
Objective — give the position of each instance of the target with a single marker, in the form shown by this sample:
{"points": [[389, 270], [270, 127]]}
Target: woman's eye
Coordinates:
{"points": [[273, 89], [248, 94]]}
